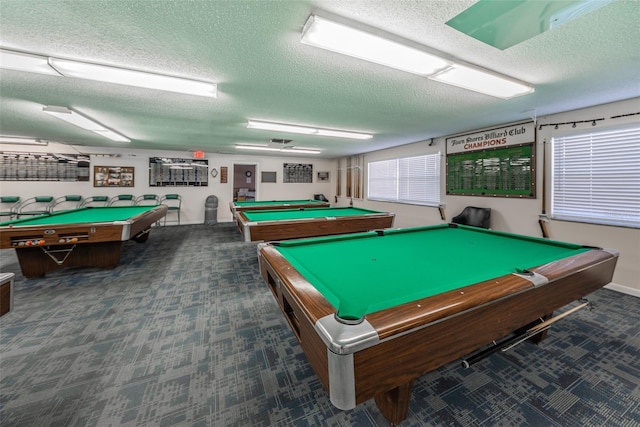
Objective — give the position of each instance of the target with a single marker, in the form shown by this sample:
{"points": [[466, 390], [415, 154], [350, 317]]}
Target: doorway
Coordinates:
{"points": [[244, 183]]}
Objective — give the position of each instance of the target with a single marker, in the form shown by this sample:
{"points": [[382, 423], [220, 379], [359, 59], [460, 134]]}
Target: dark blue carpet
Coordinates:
{"points": [[184, 332]]}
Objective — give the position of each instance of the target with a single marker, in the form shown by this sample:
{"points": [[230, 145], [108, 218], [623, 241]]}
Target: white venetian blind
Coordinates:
{"points": [[596, 177], [414, 180]]}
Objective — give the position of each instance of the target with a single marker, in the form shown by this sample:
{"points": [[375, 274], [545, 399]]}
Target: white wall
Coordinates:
{"points": [[508, 214], [521, 215], [193, 198]]}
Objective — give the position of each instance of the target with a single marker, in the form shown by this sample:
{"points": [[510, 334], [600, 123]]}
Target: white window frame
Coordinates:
{"points": [[595, 176], [404, 181]]}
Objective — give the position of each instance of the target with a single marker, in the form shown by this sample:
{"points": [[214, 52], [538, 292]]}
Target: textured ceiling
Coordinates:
{"points": [[252, 50]]}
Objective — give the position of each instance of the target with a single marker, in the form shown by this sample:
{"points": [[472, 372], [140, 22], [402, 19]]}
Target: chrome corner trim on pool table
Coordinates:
{"points": [[341, 338], [342, 383], [533, 277], [126, 229]]}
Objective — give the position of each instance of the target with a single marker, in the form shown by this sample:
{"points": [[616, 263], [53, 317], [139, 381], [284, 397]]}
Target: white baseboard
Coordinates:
{"points": [[624, 289]]}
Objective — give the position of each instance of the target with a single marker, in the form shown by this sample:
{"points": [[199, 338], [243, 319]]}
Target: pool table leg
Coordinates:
{"points": [[394, 403], [143, 236], [542, 335], [34, 262]]}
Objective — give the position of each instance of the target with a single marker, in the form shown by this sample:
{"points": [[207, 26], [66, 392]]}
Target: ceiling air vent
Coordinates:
{"points": [[280, 141]]}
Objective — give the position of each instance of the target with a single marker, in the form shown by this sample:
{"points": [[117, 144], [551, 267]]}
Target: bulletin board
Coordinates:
{"points": [[113, 176]]}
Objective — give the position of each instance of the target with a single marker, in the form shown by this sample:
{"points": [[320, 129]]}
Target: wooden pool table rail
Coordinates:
{"points": [[311, 227], [235, 209], [418, 337], [87, 244]]}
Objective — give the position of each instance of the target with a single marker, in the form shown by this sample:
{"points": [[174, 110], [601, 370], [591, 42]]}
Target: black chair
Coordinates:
{"points": [[476, 217], [320, 197]]}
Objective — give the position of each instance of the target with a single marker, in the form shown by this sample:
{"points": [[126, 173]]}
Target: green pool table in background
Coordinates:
{"points": [[275, 204], [296, 223], [372, 311], [89, 236]]}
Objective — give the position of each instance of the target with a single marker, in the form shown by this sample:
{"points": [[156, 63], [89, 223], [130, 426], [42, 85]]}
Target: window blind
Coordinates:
{"points": [[413, 180], [596, 177]]}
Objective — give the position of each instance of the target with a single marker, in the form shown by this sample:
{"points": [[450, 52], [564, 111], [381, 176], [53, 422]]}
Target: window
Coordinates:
{"points": [[596, 177], [414, 180]]}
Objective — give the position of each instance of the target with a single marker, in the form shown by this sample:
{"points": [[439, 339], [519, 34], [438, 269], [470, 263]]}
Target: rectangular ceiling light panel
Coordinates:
{"points": [[83, 122], [105, 73], [306, 130], [280, 127], [25, 62], [340, 38], [325, 34], [282, 150], [21, 140], [478, 80]]}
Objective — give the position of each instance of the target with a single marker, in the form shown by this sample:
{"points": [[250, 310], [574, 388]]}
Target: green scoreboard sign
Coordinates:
{"points": [[493, 162], [505, 172]]}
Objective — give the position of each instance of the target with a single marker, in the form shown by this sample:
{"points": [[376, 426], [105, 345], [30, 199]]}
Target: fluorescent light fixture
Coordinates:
{"points": [[19, 140], [20, 61], [326, 34], [23, 61], [105, 73], [340, 38], [482, 81], [83, 122], [306, 130], [280, 127], [282, 150], [300, 150], [257, 147]]}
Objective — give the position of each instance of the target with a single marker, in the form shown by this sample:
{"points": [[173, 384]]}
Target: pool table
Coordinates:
{"points": [[296, 223], [373, 311], [275, 204], [87, 237]]}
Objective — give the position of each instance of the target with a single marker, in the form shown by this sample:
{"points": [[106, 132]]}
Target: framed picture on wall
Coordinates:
{"points": [[268, 176], [113, 176], [323, 176], [298, 173]]}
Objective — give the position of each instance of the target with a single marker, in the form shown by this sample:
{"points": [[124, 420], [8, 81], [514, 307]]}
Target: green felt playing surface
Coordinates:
{"points": [[283, 214], [277, 202], [363, 273], [82, 215]]}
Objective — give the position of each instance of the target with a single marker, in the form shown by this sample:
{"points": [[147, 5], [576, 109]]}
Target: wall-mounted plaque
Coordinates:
{"points": [[169, 172], [43, 167], [493, 162], [298, 172], [323, 176]]}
